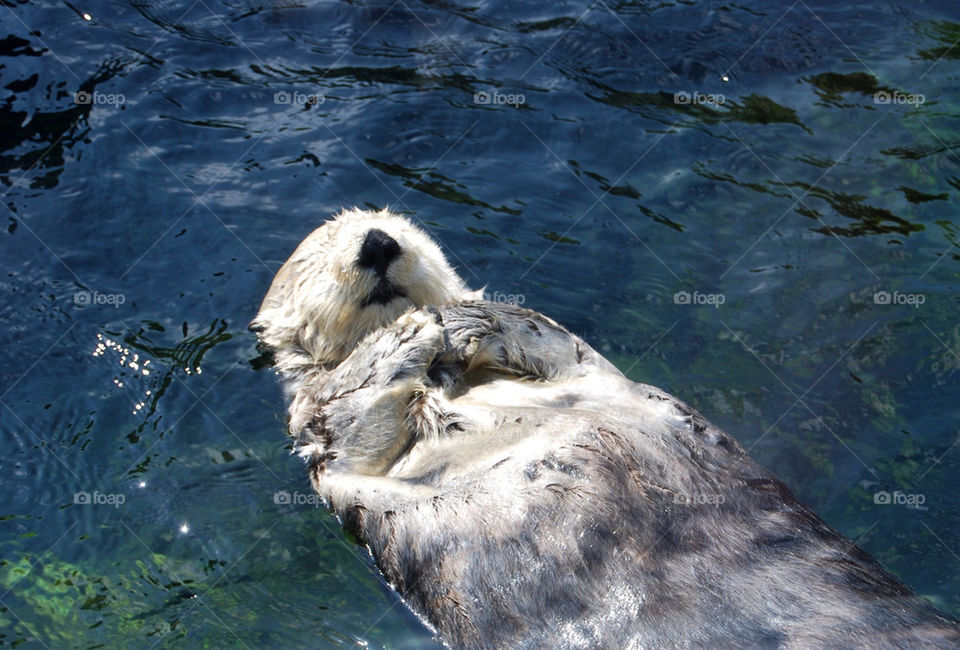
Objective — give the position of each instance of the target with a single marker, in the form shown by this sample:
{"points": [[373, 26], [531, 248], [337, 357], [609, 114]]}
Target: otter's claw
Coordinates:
{"points": [[436, 316]]}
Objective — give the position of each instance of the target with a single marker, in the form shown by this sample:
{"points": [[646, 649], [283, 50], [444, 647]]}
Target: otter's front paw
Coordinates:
{"points": [[419, 318], [420, 340], [423, 327]]}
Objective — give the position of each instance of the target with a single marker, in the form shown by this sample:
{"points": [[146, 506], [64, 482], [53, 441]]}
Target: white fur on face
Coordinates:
{"points": [[318, 307]]}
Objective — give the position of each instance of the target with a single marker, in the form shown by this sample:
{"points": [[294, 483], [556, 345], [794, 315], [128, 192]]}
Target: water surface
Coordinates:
{"points": [[752, 205]]}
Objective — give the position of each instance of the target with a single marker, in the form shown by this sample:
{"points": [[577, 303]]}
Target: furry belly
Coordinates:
{"points": [[509, 420]]}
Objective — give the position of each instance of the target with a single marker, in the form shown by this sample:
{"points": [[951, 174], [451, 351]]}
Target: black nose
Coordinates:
{"points": [[378, 251]]}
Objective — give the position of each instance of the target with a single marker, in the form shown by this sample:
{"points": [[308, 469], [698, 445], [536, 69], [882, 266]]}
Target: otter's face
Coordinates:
{"points": [[349, 277]]}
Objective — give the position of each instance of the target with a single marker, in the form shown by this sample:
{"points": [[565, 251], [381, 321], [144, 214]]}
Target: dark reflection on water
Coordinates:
{"points": [[750, 205]]}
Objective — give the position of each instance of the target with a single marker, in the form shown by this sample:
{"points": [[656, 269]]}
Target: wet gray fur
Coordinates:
{"points": [[518, 491]]}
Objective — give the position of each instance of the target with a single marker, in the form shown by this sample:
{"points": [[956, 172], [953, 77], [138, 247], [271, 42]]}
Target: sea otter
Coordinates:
{"points": [[519, 492]]}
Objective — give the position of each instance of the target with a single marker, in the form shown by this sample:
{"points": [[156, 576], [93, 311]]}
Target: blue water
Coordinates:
{"points": [[751, 205]]}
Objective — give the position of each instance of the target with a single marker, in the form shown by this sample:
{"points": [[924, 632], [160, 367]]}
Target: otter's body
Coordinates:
{"points": [[577, 509], [520, 492]]}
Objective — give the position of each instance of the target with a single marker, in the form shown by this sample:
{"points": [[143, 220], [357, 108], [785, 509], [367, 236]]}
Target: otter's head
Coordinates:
{"points": [[352, 275]]}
